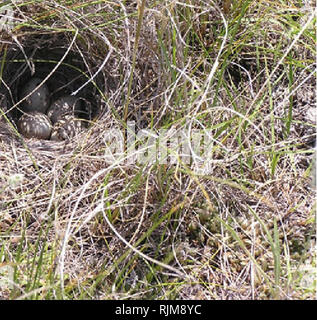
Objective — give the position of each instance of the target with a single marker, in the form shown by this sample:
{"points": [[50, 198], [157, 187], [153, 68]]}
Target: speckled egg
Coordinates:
{"points": [[39, 100], [66, 128], [35, 125], [66, 105]]}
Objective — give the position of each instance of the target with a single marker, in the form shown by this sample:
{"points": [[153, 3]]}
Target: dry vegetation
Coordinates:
{"points": [[75, 224]]}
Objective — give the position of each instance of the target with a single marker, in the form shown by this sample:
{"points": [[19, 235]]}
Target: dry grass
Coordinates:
{"points": [[76, 224]]}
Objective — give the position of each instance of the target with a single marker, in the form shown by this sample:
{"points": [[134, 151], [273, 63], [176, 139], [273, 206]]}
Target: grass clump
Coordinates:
{"points": [[207, 193]]}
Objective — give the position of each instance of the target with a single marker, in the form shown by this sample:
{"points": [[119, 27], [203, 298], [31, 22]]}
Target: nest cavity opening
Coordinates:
{"points": [[69, 68]]}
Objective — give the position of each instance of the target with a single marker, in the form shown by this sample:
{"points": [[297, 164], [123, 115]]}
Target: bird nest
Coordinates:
{"points": [[84, 65], [61, 67]]}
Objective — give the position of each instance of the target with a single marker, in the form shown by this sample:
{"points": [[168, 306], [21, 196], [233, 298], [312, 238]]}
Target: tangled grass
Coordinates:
{"points": [[82, 219]]}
